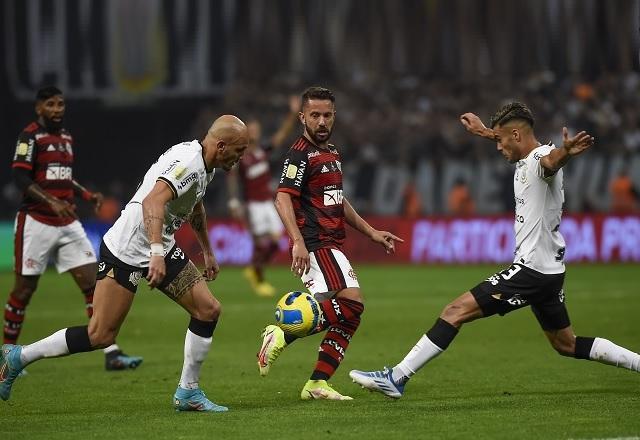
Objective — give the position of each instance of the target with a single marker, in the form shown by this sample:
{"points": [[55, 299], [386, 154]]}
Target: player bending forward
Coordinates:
{"points": [[141, 244], [537, 274]]}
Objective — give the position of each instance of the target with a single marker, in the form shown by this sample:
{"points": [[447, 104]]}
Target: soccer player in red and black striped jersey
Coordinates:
{"points": [[253, 176], [313, 209], [46, 224]]}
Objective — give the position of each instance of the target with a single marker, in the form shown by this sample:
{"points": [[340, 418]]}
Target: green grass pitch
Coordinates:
{"points": [[499, 379]]}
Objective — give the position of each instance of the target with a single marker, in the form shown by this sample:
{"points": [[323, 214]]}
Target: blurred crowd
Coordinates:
{"points": [[410, 121], [402, 73]]}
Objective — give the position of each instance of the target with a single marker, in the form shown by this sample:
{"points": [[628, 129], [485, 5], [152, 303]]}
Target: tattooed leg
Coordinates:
{"points": [[183, 282]]}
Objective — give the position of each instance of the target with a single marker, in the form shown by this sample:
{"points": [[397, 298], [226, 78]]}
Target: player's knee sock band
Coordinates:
{"points": [[202, 328], [442, 333], [14, 313], [78, 339], [337, 310], [583, 347], [88, 299]]}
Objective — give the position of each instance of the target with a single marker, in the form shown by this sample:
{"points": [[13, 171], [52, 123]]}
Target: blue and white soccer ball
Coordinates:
{"points": [[298, 313]]}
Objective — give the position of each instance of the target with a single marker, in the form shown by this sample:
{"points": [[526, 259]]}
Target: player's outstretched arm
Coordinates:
{"points": [[153, 217], [94, 197], [386, 239], [571, 146], [198, 221], [301, 262], [474, 125]]}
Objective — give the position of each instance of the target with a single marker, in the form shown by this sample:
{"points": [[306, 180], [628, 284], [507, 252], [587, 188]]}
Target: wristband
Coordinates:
{"points": [[86, 195], [157, 250]]}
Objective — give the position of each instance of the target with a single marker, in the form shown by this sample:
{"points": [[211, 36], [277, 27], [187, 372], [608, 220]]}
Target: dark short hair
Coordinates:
{"points": [[317, 93], [511, 111], [47, 92]]}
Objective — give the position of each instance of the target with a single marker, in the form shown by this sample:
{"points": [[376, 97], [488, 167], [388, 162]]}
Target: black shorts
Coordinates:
{"points": [[518, 287], [130, 276]]}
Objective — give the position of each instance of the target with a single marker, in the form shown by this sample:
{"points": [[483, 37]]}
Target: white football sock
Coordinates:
{"points": [[420, 354], [609, 353], [51, 346], [195, 350], [111, 348]]}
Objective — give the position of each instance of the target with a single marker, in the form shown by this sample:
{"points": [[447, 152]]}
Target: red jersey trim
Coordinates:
{"points": [[300, 144], [289, 191], [22, 165], [32, 127]]}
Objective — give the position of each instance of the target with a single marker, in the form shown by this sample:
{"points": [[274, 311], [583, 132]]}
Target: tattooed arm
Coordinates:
{"points": [[153, 217], [198, 223]]}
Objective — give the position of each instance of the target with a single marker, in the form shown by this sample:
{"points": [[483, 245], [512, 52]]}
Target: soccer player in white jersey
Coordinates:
{"points": [[141, 244], [537, 274]]}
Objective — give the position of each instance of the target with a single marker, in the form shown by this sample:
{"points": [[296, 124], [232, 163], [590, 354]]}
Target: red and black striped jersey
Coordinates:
{"points": [[313, 176], [49, 158], [255, 175]]}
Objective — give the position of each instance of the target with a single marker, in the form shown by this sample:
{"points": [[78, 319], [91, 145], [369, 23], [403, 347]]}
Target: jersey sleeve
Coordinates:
{"points": [[294, 172], [538, 154], [180, 174], [25, 153]]}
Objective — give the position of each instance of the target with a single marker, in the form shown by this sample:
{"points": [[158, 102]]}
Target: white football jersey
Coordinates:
{"points": [[181, 167], [539, 199]]}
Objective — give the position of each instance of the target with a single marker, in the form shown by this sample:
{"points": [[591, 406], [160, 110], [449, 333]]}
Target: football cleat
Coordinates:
{"points": [[321, 390], [117, 360], [272, 345], [195, 400], [10, 367], [381, 381], [265, 289]]}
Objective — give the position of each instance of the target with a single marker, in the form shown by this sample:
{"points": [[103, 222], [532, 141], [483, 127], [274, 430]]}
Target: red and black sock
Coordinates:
{"points": [[14, 312], [88, 300], [338, 310], [342, 317], [333, 348]]}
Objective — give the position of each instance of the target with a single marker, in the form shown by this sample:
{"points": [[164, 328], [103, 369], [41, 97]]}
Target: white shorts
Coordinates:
{"points": [[263, 218], [330, 273], [36, 242]]}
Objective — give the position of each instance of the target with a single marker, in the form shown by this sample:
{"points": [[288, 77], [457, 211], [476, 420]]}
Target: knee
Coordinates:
{"points": [[209, 311], [101, 337], [453, 314], [352, 294], [565, 346]]}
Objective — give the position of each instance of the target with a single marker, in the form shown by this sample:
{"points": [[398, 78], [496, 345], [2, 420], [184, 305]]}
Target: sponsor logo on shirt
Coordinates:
{"points": [[24, 149], [171, 167], [333, 197], [291, 171], [187, 180], [300, 173], [56, 171], [179, 171], [313, 154]]}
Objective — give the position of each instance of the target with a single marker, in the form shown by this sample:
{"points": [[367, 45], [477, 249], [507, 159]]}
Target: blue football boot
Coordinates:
{"points": [[195, 400], [10, 368], [380, 381], [117, 360]]}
